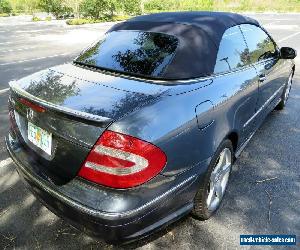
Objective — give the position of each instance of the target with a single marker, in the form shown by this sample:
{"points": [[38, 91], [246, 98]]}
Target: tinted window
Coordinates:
{"points": [[232, 52], [259, 43], [133, 52]]}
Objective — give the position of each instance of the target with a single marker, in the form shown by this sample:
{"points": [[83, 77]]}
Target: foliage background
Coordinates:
{"points": [[107, 9]]}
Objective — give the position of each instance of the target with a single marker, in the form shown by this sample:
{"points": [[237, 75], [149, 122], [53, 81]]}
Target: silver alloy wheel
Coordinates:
{"points": [[219, 179], [288, 89]]}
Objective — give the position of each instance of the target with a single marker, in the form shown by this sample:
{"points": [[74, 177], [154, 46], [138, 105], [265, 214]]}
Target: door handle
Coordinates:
{"points": [[262, 78]]}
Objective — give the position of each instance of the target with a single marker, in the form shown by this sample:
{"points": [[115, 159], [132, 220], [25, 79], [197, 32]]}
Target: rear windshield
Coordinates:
{"points": [[138, 53]]}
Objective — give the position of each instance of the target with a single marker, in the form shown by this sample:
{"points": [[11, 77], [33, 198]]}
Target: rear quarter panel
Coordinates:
{"points": [[170, 120]]}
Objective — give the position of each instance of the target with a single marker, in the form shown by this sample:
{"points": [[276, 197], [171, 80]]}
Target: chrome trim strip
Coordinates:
{"points": [[93, 212], [86, 116], [239, 151], [173, 82], [263, 106], [242, 147]]}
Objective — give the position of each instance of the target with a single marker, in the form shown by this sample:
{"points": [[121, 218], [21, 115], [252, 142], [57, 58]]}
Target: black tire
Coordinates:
{"points": [[200, 210], [287, 87]]}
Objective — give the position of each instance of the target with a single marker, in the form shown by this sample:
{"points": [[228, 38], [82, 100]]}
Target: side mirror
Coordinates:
{"points": [[287, 53]]}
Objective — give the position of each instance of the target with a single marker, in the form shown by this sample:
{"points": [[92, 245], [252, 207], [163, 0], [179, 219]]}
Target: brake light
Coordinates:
{"points": [[122, 161], [31, 105]]}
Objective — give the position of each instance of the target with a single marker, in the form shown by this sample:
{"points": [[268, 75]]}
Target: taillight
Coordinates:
{"points": [[122, 161], [31, 105]]}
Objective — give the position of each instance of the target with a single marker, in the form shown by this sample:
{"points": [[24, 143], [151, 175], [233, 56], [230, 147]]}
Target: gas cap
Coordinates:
{"points": [[204, 114]]}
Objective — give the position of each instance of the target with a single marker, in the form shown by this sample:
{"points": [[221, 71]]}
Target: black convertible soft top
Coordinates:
{"points": [[199, 35]]}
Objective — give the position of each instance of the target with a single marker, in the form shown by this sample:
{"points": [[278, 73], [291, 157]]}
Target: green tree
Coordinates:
{"points": [[46, 5], [56, 8], [156, 5], [93, 8], [112, 6], [74, 5], [5, 7], [24, 6], [30, 6], [134, 7]]}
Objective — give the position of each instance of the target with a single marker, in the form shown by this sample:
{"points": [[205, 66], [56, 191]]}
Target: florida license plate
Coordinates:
{"points": [[40, 137]]}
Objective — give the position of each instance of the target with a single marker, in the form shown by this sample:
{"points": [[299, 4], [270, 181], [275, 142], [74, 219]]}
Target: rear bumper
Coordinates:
{"points": [[86, 206]]}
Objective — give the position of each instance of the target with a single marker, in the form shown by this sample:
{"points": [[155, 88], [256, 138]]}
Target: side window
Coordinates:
{"points": [[260, 44], [233, 52]]}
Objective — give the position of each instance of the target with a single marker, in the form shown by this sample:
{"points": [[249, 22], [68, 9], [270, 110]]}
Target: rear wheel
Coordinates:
{"points": [[212, 189], [286, 93]]}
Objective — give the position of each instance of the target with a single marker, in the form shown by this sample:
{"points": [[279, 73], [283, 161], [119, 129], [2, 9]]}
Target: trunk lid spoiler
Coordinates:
{"points": [[68, 111]]}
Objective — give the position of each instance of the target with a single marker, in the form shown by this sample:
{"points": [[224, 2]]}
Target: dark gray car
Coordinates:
{"points": [[143, 127]]}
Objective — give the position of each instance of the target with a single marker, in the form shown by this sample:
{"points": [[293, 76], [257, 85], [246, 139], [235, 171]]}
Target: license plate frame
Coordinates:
{"points": [[40, 138]]}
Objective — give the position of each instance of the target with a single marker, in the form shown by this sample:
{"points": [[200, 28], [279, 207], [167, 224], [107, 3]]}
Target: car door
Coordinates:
{"points": [[237, 81], [264, 55]]}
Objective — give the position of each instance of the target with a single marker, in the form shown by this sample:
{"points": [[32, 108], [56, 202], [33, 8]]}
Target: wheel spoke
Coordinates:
{"points": [[210, 196], [219, 179], [225, 170], [213, 177], [219, 191], [288, 88], [222, 160]]}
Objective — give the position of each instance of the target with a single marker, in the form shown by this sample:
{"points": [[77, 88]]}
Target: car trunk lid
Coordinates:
{"points": [[74, 113]]}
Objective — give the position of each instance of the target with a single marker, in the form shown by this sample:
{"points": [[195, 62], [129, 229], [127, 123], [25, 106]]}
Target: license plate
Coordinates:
{"points": [[40, 138]]}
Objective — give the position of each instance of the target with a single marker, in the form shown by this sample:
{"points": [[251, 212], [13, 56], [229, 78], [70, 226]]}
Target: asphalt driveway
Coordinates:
{"points": [[264, 192]]}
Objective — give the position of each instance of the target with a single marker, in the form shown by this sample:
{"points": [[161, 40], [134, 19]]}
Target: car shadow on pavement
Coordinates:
{"points": [[26, 223]]}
